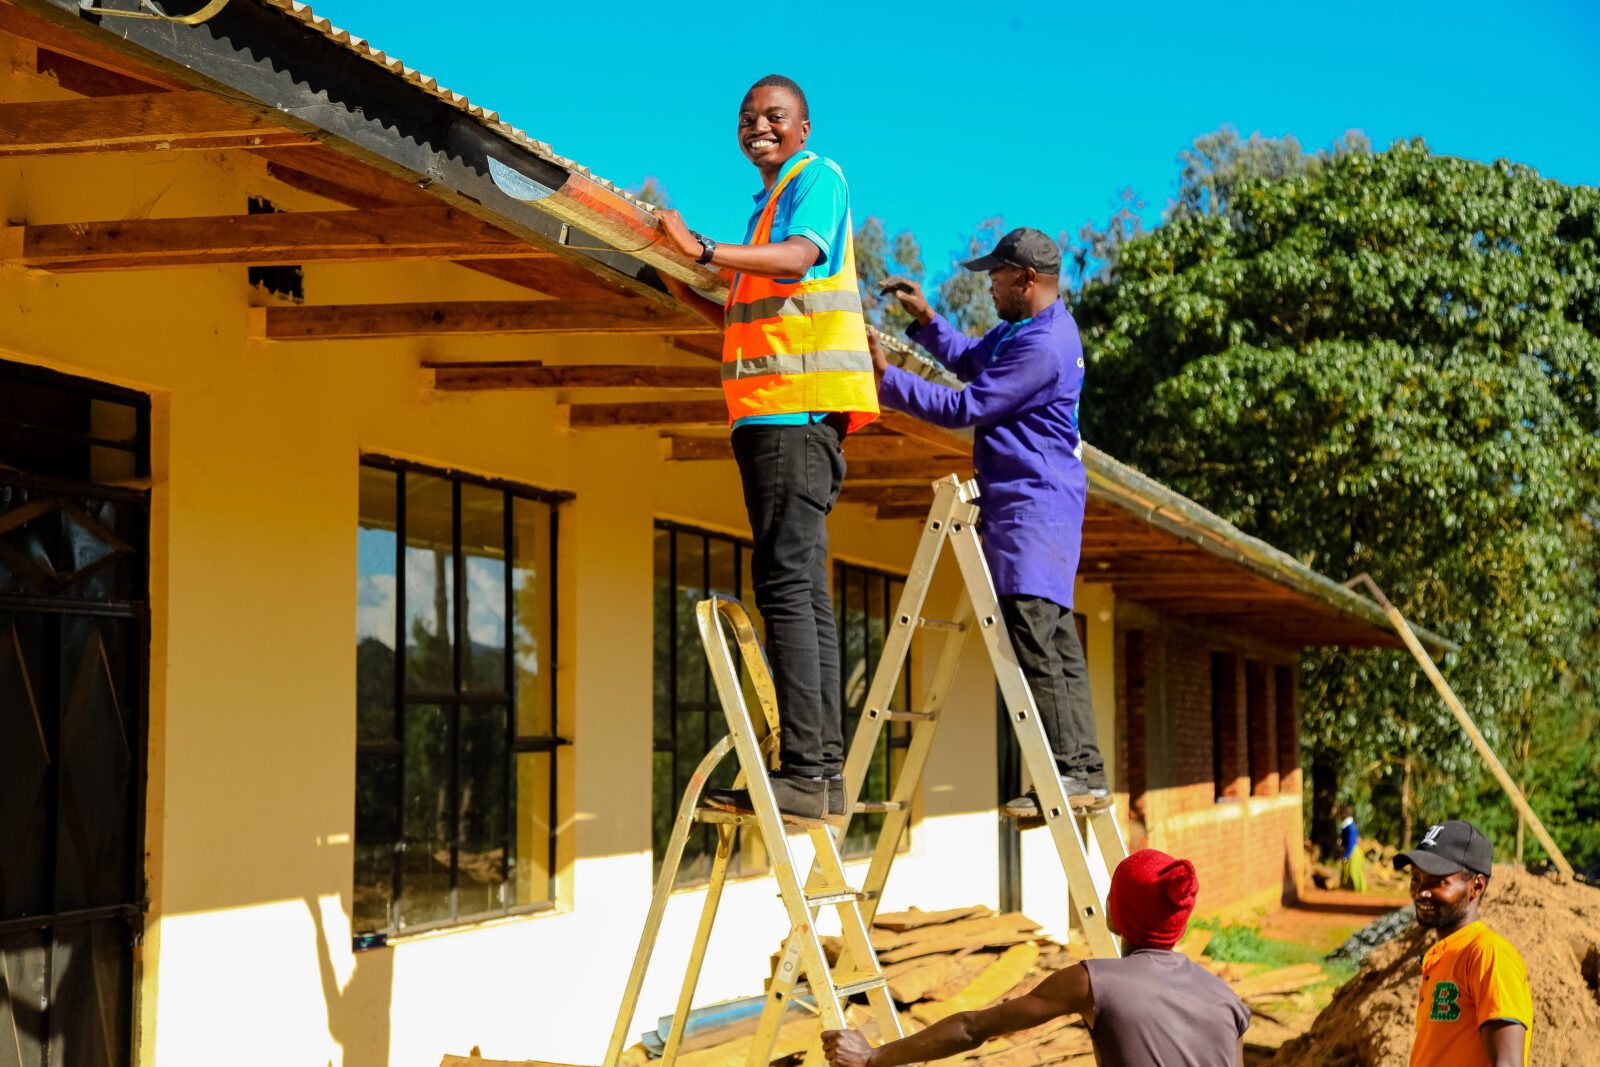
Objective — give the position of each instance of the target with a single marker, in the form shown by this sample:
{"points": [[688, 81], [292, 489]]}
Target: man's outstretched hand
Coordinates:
{"points": [[846, 1048], [910, 295], [880, 362]]}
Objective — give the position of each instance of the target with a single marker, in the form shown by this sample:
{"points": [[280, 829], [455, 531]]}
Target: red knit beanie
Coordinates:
{"points": [[1151, 897]]}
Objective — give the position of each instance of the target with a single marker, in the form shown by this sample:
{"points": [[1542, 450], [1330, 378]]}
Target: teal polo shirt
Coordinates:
{"points": [[816, 206]]}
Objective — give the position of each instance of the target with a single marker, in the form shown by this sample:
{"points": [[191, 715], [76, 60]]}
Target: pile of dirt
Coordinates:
{"points": [[1552, 921]]}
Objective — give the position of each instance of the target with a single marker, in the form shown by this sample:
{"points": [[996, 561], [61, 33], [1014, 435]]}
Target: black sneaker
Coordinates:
{"points": [[805, 799]]}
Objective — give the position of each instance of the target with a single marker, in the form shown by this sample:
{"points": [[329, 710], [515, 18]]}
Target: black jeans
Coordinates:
{"points": [[1045, 635], [791, 477]]}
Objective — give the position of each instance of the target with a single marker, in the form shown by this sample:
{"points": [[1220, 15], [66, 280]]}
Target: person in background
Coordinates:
{"points": [[1352, 862]]}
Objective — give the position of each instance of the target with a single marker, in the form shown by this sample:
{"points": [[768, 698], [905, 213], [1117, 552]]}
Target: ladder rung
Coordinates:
{"points": [[823, 900], [863, 984], [877, 807], [745, 818], [909, 716], [947, 625]]}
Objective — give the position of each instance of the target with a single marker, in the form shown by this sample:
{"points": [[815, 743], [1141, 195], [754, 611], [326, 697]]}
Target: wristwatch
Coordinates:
{"points": [[707, 248]]}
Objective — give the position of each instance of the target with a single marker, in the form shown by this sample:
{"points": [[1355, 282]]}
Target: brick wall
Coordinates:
{"points": [[1229, 726], [1195, 706], [1286, 700], [1262, 719]]}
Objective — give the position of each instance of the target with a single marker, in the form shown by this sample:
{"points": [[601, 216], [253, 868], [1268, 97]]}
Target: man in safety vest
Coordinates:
{"points": [[797, 375], [1021, 401]]}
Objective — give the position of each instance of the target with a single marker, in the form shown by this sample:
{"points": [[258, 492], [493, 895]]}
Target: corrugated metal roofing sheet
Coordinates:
{"points": [[358, 45]]}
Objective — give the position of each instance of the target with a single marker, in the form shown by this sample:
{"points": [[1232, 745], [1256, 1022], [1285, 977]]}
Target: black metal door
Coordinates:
{"points": [[74, 526]]}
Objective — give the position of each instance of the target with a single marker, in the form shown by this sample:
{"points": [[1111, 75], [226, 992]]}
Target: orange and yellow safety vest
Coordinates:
{"points": [[797, 345]]}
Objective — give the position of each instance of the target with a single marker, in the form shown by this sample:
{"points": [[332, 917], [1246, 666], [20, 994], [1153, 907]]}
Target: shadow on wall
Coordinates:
{"points": [[358, 1008]]}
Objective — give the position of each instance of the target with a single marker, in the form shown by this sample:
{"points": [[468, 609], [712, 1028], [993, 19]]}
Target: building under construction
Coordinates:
{"points": [[353, 514]]}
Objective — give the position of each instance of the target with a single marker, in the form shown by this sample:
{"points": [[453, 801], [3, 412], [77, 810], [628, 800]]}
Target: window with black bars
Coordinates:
{"points": [[456, 706], [864, 600], [691, 564]]}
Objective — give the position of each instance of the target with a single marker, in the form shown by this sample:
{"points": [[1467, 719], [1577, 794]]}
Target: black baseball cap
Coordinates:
{"points": [[1021, 247], [1449, 847]]}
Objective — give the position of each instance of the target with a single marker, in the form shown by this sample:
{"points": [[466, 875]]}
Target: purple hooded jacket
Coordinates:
{"points": [[1021, 400]]}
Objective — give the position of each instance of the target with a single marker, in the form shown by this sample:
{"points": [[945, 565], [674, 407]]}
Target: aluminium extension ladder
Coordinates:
{"points": [[950, 522]]}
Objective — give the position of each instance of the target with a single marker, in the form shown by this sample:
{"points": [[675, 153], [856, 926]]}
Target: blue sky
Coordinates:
{"points": [[942, 115]]}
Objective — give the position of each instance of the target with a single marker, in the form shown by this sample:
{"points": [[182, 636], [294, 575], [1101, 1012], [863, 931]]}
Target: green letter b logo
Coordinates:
{"points": [[1446, 1003]]}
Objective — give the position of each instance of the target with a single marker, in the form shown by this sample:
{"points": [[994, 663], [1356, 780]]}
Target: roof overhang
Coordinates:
{"points": [[276, 60]]}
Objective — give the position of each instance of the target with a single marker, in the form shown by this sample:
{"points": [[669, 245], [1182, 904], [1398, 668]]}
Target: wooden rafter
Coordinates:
{"points": [[47, 34], [701, 447], [89, 79], [324, 173], [683, 447], [347, 321], [147, 122], [943, 440], [905, 472], [649, 415], [258, 240], [525, 374]]}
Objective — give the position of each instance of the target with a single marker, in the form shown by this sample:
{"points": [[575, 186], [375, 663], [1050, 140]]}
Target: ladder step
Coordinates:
{"points": [[846, 896], [857, 984], [877, 807], [947, 625], [909, 716]]}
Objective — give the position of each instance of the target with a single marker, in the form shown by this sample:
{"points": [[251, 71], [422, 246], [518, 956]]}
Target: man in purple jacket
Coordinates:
{"points": [[1021, 399]]}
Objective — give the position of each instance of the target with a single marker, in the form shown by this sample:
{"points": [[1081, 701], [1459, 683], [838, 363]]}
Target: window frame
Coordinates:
{"points": [[896, 736], [749, 858], [460, 695]]}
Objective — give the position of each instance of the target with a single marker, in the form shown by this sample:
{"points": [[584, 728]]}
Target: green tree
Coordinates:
{"points": [[1389, 363], [878, 257], [963, 297]]}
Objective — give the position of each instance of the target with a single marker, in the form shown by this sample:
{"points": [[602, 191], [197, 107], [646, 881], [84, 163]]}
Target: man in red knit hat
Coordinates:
{"points": [[1153, 1007]]}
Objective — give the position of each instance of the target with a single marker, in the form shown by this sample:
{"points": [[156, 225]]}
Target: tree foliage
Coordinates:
{"points": [[1387, 363]]}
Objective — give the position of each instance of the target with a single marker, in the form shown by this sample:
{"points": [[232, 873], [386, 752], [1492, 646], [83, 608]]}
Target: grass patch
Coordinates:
{"points": [[1238, 943]]}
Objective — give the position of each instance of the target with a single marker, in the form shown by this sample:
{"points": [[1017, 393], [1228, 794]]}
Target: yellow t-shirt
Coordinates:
{"points": [[1470, 978]]}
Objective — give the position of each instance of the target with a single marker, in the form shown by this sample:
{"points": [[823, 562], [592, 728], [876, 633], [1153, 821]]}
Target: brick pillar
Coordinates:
{"points": [[1230, 769], [1286, 701], [1263, 733], [1133, 735]]}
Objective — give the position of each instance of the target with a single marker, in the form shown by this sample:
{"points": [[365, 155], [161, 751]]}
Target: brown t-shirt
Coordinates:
{"points": [[1154, 1008]]}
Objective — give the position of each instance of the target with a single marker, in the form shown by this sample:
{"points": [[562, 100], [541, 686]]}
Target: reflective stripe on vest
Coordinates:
{"points": [[797, 346]]}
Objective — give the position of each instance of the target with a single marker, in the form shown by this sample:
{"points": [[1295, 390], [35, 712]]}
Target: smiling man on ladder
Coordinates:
{"points": [[797, 377], [1023, 381]]}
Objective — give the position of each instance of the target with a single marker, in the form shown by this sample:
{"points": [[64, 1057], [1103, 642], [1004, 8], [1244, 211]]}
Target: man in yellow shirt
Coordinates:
{"points": [[1475, 1009]]}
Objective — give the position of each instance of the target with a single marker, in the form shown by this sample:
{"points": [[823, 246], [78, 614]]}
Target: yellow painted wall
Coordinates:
{"points": [[247, 956]]}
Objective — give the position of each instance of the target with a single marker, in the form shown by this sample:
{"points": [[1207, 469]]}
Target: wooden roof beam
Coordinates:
{"points": [[147, 122], [875, 449], [531, 374], [324, 173], [340, 322], [649, 415], [289, 237]]}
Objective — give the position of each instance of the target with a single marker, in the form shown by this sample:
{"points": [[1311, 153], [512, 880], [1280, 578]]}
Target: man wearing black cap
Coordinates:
{"points": [[1023, 380], [1475, 1009]]}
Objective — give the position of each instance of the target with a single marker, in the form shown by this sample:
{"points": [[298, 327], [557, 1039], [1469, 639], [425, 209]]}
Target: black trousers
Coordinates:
{"points": [[1045, 635], [792, 476]]}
